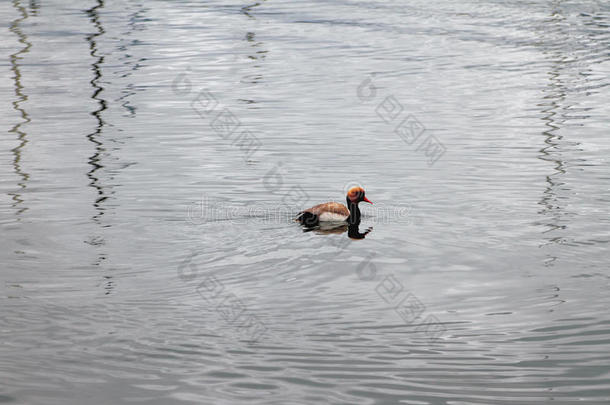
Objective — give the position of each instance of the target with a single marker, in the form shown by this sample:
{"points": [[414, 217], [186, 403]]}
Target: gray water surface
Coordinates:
{"points": [[154, 153]]}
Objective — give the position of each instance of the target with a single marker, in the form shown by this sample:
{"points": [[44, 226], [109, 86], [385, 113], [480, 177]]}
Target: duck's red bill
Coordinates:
{"points": [[367, 200]]}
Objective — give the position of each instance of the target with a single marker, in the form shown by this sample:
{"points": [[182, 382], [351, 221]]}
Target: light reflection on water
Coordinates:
{"points": [[149, 252]]}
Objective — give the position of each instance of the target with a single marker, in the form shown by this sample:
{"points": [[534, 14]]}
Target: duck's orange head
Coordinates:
{"points": [[356, 194]]}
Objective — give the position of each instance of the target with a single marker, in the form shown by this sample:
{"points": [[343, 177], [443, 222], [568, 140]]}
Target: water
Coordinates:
{"points": [[148, 255]]}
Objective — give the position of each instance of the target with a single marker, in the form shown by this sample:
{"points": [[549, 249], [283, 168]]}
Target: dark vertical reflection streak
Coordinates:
{"points": [[34, 6], [571, 44], [94, 137], [553, 99], [20, 98], [259, 54], [131, 89], [95, 161]]}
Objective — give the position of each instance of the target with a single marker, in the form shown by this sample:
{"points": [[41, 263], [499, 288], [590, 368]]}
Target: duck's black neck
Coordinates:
{"points": [[354, 212]]}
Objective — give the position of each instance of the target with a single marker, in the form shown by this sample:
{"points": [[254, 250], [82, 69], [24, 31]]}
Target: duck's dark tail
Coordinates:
{"points": [[307, 218]]}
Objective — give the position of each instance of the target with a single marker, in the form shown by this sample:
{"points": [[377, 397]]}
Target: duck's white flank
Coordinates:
{"points": [[332, 217]]}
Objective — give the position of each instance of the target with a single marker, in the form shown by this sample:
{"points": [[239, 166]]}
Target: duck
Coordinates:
{"points": [[335, 212]]}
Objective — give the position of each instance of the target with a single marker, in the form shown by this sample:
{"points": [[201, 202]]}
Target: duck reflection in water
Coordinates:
{"points": [[353, 230]]}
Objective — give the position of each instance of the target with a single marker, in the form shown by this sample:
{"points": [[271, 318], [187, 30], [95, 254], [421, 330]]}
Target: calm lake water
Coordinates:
{"points": [[154, 153]]}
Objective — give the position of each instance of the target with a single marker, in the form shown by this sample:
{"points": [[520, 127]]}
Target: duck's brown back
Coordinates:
{"points": [[330, 207]]}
